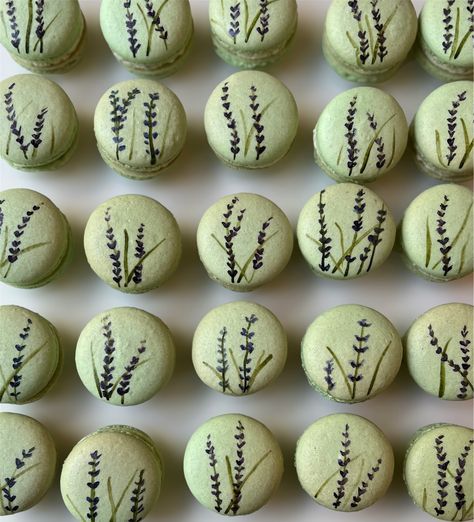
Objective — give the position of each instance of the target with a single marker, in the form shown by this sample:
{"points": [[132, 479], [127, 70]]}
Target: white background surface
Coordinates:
{"points": [[188, 188]]}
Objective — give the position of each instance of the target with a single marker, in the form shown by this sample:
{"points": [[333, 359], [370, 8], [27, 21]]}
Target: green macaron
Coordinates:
{"points": [[361, 134], [45, 36], [444, 38], [438, 351], [344, 462], [436, 233], [140, 128], [133, 243], [251, 120], [239, 348], [345, 231], [112, 474], [150, 38], [442, 134], [368, 40], [254, 33], [244, 241], [39, 123], [27, 462], [438, 471], [233, 464], [30, 355], [351, 353], [34, 238]]}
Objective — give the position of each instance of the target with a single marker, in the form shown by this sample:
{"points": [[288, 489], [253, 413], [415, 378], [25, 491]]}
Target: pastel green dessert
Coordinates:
{"points": [[148, 37], [30, 355], [444, 47], [442, 134], [140, 128], [34, 239], [244, 241], [436, 233], [345, 231], [254, 33], [233, 464], [27, 462], [438, 471], [351, 353], [438, 350], [361, 134], [124, 356], [239, 348], [366, 40], [251, 120], [112, 474], [132, 243], [45, 36], [344, 462], [39, 125]]}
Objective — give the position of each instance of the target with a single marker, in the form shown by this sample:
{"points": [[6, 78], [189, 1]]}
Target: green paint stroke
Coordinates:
{"points": [[377, 367]]}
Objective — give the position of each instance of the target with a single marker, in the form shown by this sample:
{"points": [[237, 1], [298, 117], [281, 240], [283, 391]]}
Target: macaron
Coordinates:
{"points": [[345, 231], [255, 33], [112, 474], [251, 120], [438, 351], [438, 471], [140, 128], [344, 462], [34, 238], [244, 241], [43, 36], [361, 135], [27, 462], [149, 38], [436, 233], [441, 132], [124, 356], [39, 123], [132, 243], [350, 353], [368, 40], [233, 464], [444, 32], [30, 355], [239, 348]]}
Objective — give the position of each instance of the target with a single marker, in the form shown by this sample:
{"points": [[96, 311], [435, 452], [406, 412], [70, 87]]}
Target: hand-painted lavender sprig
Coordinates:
{"points": [[139, 253], [362, 488], [324, 241], [328, 371], [452, 124], [343, 461], [352, 150], [379, 27], [156, 22], [2, 214], [106, 385], [15, 38], [151, 123], [231, 123], [239, 468], [257, 261], [442, 482], [263, 28], [119, 116], [234, 24], [12, 480], [138, 494], [465, 358], [215, 483], [470, 19], [15, 246], [362, 35], [124, 385], [378, 141], [459, 475], [15, 383], [38, 128], [92, 499], [376, 238], [448, 26], [40, 30], [130, 23], [230, 235], [443, 240], [15, 128], [359, 348], [257, 117], [222, 362], [112, 245], [247, 347], [357, 225]]}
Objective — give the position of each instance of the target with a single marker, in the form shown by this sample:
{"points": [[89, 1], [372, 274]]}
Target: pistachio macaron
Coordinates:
{"points": [[442, 134], [113, 473], [366, 40], [247, 447], [150, 38], [34, 238], [438, 471], [438, 348], [436, 233], [27, 462], [30, 355], [44, 36], [360, 135], [244, 241], [345, 231], [132, 243], [140, 128], [351, 353], [251, 120], [444, 32], [252, 34], [39, 123], [239, 348], [344, 462], [124, 356]]}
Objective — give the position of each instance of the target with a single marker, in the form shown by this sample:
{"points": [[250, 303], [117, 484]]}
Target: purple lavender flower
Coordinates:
{"points": [[448, 26], [343, 462], [112, 245], [324, 246], [257, 117], [247, 347], [352, 150], [124, 384], [15, 39], [17, 361], [458, 477], [470, 19], [15, 246], [234, 24], [355, 9], [359, 209], [156, 22], [2, 215], [362, 488], [360, 347], [222, 362], [92, 499], [231, 123], [376, 238], [239, 468], [443, 240], [215, 483], [263, 28], [230, 235], [452, 124], [139, 253], [442, 483], [378, 141], [38, 128], [138, 494], [257, 261], [106, 385], [40, 30], [11, 481], [379, 27], [130, 23], [465, 358], [119, 116], [15, 127], [328, 370], [150, 123]]}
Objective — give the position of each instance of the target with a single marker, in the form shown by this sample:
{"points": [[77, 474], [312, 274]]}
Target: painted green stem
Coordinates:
{"points": [[377, 368]]}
